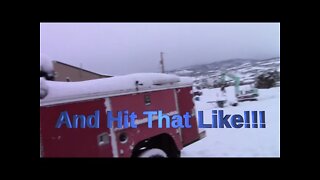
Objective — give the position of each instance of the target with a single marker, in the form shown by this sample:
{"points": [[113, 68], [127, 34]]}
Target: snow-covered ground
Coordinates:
{"points": [[242, 142]]}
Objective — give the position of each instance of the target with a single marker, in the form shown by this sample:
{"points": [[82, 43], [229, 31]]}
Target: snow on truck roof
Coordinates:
{"points": [[113, 86]]}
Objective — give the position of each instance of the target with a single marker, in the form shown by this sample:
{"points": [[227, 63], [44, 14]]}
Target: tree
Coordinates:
{"points": [[266, 80]]}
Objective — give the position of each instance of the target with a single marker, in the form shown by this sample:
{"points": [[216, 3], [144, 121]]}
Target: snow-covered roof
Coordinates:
{"points": [[118, 85], [182, 72]]}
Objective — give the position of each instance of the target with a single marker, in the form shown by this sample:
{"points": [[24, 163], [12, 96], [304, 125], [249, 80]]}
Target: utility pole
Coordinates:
{"points": [[162, 62]]}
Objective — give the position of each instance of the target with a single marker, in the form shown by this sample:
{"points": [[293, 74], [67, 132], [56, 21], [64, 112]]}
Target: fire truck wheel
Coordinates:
{"points": [[153, 153]]}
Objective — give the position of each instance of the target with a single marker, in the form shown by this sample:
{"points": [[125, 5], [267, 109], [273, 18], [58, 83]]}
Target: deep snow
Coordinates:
{"points": [[242, 142]]}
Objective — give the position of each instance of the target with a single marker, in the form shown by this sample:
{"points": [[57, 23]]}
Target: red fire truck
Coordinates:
{"points": [[133, 93]]}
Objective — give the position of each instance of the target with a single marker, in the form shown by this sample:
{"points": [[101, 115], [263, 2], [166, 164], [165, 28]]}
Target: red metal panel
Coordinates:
{"points": [[160, 100], [185, 104], [80, 142], [75, 142]]}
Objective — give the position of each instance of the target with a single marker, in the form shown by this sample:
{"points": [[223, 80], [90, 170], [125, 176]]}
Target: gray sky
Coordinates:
{"points": [[123, 48]]}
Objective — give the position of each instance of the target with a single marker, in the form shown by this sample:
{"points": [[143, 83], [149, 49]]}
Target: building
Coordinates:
{"points": [[67, 72]]}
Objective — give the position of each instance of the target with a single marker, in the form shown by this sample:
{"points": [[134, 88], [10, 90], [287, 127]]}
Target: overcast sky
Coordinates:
{"points": [[122, 48]]}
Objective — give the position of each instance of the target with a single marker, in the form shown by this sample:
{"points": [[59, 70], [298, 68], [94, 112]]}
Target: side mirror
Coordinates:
{"points": [[43, 88]]}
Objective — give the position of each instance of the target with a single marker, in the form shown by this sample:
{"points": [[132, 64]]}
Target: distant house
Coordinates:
{"points": [[67, 72]]}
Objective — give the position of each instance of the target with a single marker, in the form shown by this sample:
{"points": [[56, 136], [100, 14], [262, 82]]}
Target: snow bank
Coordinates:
{"points": [[242, 142], [113, 85]]}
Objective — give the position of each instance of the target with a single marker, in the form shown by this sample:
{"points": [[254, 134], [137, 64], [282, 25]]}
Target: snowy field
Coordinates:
{"points": [[242, 142]]}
